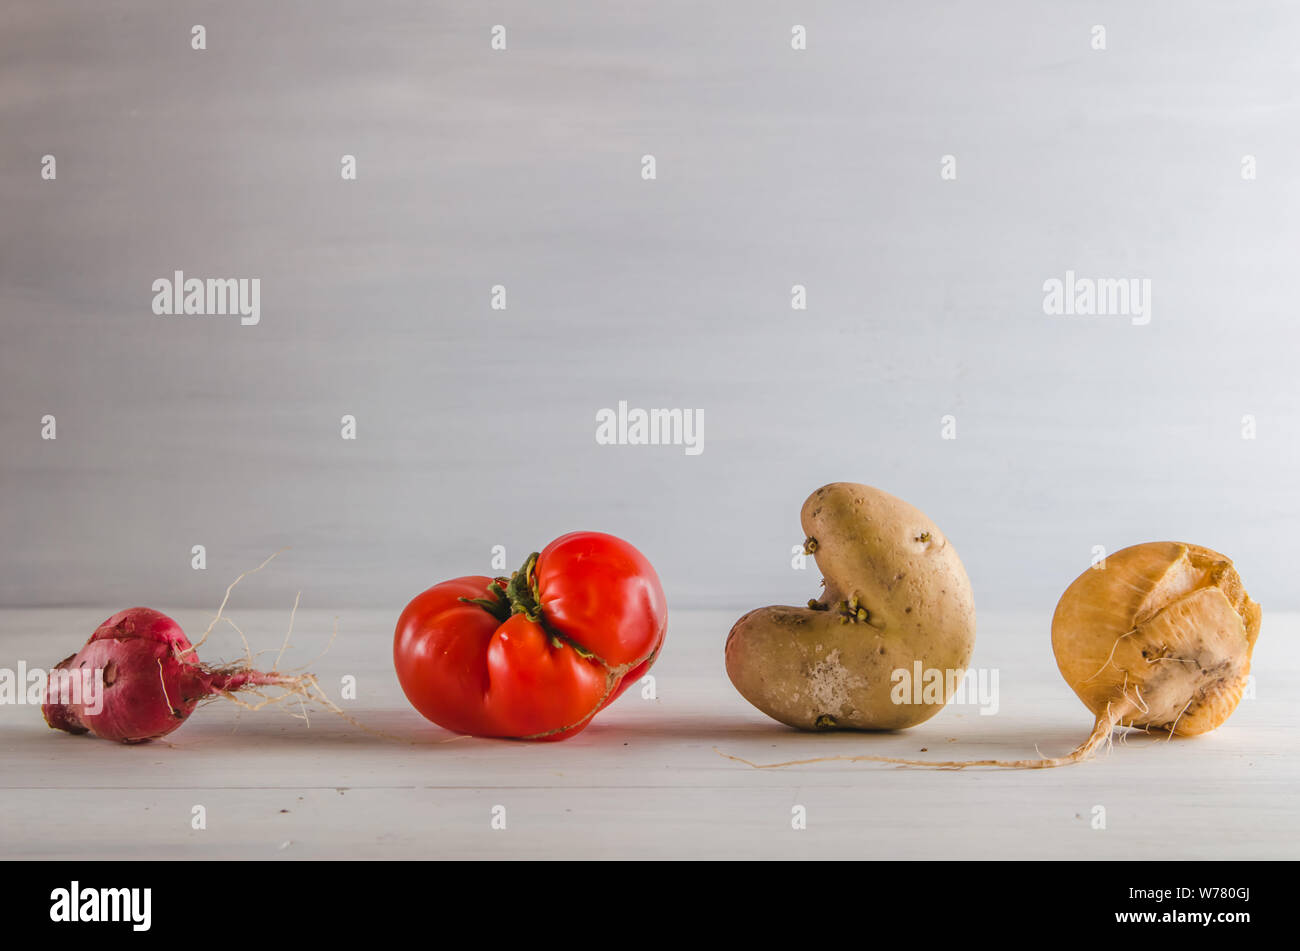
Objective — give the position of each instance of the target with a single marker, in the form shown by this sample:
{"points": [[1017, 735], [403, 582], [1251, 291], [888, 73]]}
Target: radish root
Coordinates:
{"points": [[199, 643], [305, 687]]}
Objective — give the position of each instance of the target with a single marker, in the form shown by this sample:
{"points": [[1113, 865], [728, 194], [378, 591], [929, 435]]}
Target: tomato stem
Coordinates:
{"points": [[517, 594], [521, 594], [522, 591], [499, 604]]}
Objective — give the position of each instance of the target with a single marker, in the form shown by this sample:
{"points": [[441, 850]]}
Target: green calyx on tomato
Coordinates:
{"points": [[519, 594], [537, 655]]}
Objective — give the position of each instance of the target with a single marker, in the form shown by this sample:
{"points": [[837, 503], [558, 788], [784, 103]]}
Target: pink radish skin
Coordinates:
{"points": [[152, 679]]}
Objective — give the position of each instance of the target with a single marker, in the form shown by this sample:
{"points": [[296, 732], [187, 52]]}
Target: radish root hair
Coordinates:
{"points": [[199, 643], [304, 686]]}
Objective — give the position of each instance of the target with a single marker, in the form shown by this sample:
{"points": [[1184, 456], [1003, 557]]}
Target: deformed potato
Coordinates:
{"points": [[896, 603]]}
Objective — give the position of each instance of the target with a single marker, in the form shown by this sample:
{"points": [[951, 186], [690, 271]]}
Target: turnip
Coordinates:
{"points": [[1160, 638], [152, 679], [1157, 637]]}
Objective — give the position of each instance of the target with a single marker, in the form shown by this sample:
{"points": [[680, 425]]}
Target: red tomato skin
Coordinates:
{"points": [[538, 688], [604, 595], [440, 654], [470, 673]]}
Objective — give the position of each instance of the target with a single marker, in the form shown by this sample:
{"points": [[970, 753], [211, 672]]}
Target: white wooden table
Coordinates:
{"points": [[644, 779]]}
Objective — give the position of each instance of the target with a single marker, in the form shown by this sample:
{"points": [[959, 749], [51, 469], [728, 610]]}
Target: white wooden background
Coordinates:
{"points": [[643, 780], [522, 168]]}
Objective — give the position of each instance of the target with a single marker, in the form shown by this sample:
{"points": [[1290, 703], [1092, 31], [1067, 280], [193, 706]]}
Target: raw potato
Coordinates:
{"points": [[895, 593]]}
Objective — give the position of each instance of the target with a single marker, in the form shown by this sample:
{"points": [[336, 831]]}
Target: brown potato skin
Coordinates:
{"points": [[809, 670]]}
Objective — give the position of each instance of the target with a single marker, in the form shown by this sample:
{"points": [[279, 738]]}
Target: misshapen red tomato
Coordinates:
{"points": [[537, 655]]}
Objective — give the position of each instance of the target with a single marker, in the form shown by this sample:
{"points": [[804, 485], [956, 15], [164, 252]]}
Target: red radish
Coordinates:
{"points": [[152, 679]]}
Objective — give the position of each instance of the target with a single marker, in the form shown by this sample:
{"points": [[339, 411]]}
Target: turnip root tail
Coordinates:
{"points": [[1101, 734]]}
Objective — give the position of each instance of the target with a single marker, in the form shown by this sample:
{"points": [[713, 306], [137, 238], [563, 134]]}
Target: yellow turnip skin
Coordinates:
{"points": [[895, 593], [1159, 636]]}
